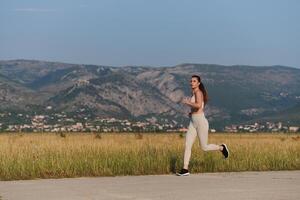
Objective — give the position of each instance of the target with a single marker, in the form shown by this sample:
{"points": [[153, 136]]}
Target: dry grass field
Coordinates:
{"points": [[49, 155]]}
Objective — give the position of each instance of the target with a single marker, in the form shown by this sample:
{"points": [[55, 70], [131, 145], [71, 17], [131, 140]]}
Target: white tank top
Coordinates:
{"points": [[193, 100]]}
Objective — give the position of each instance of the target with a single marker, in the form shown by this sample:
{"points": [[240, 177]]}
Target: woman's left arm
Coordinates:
{"points": [[198, 101]]}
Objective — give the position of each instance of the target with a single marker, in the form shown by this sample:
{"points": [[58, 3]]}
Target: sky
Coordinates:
{"points": [[152, 32]]}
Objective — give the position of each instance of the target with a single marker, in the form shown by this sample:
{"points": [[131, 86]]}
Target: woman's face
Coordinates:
{"points": [[194, 82]]}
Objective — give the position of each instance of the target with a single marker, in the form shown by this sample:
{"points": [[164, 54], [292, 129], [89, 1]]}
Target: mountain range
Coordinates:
{"points": [[237, 94]]}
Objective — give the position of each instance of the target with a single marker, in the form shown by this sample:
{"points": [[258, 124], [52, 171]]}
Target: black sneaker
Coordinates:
{"points": [[225, 151], [183, 172]]}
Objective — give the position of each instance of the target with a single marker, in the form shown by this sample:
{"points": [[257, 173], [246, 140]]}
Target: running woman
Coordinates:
{"points": [[198, 124]]}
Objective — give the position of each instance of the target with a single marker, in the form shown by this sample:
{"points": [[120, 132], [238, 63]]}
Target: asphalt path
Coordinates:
{"points": [[273, 185]]}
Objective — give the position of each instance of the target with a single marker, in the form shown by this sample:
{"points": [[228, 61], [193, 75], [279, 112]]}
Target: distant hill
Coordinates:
{"points": [[237, 94]]}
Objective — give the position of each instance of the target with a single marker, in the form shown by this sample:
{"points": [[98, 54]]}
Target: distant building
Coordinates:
{"points": [[293, 128], [182, 129]]}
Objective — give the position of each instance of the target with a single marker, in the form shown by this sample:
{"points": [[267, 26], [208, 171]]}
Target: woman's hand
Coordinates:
{"points": [[186, 100]]}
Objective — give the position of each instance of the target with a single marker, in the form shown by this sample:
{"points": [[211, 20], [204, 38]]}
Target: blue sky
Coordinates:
{"points": [[152, 32]]}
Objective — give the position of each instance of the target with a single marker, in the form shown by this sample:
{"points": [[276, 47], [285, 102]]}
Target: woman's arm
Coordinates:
{"points": [[198, 101]]}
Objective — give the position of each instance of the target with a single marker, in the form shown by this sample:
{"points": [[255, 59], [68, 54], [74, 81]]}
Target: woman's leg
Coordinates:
{"points": [[202, 126], [189, 141]]}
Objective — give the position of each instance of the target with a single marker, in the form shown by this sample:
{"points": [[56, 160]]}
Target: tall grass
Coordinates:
{"points": [[42, 155]]}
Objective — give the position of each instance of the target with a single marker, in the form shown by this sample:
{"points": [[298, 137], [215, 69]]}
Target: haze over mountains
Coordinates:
{"points": [[237, 94]]}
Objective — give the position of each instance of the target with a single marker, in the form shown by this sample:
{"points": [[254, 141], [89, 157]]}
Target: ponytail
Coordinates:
{"points": [[202, 88]]}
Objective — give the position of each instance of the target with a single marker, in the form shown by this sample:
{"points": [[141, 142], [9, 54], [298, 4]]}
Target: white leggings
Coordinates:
{"points": [[198, 126]]}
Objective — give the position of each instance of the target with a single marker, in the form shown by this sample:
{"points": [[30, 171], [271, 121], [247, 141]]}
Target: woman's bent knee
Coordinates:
{"points": [[205, 148]]}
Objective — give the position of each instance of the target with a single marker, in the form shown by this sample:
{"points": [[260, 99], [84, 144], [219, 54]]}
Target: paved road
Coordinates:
{"points": [[274, 185]]}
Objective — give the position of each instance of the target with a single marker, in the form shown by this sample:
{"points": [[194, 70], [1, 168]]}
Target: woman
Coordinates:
{"points": [[198, 124]]}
